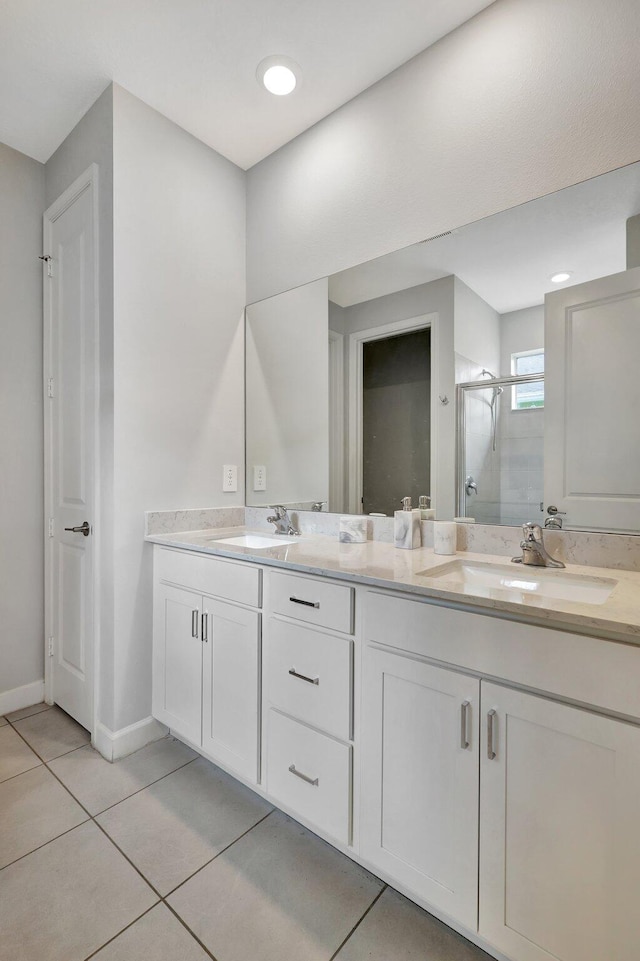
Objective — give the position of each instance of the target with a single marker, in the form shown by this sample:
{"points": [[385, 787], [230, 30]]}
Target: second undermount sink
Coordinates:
{"points": [[527, 585], [256, 541]]}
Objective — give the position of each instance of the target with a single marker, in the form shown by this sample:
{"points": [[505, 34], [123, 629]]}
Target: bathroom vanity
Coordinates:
{"points": [[479, 753]]}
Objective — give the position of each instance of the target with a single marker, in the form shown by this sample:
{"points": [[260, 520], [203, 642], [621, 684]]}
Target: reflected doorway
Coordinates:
{"points": [[396, 420]]}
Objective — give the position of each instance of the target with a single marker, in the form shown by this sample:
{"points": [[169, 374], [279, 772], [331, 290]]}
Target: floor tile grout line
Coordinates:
{"points": [[13, 720], [12, 777], [31, 748], [144, 788], [218, 853], [44, 844], [187, 928], [130, 925], [359, 922]]}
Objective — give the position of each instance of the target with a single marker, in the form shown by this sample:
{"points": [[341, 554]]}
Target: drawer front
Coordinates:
{"points": [[313, 600], [310, 774], [210, 575], [309, 674]]}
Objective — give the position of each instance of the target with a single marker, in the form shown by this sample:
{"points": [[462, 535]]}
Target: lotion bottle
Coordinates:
{"points": [[406, 526]]}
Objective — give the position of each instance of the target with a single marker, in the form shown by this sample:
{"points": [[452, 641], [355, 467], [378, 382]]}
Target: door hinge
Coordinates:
{"points": [[50, 527], [48, 259], [50, 645], [50, 387]]}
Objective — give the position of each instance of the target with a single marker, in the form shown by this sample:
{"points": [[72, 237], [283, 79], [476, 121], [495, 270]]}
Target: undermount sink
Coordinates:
{"points": [[526, 585], [256, 541]]}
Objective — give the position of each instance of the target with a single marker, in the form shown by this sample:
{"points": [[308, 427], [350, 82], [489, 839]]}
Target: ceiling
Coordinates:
{"points": [[509, 258], [195, 61]]}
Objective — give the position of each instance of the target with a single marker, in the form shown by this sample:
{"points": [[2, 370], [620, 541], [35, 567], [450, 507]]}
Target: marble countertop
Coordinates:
{"points": [[382, 565]]}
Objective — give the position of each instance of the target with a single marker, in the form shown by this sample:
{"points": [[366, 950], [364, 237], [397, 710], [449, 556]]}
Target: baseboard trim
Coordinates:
{"points": [[19, 697], [116, 744]]}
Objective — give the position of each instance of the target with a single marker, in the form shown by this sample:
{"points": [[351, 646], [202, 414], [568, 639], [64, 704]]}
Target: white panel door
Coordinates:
{"points": [[559, 844], [70, 405], [177, 660], [231, 686], [420, 780], [592, 399]]}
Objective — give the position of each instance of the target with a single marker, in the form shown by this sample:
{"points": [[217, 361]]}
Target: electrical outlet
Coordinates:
{"points": [[260, 478], [229, 478]]}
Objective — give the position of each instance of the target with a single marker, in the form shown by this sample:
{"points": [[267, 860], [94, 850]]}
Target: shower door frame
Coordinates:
{"points": [[511, 381]]}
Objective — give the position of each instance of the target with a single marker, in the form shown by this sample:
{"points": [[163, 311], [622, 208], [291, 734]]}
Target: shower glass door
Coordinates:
{"points": [[500, 450]]}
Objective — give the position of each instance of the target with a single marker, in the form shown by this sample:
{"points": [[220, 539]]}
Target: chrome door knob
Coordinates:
{"points": [[85, 529]]}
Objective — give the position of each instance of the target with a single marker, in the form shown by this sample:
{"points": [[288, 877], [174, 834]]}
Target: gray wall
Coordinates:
{"points": [[528, 97], [21, 437]]}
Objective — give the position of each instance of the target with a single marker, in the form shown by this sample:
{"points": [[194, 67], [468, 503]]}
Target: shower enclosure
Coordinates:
{"points": [[500, 439]]}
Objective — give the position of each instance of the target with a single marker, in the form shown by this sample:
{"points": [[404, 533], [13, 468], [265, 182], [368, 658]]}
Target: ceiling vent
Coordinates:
{"points": [[427, 240]]}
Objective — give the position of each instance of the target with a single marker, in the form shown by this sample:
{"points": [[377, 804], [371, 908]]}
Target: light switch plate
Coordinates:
{"points": [[229, 478], [260, 478]]}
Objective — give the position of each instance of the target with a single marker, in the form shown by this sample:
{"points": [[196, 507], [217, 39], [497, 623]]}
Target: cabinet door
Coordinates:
{"points": [[231, 686], [560, 845], [420, 779], [177, 661]]}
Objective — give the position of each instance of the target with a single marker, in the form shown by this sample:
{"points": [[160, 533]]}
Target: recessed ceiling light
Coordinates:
{"points": [[280, 75], [561, 277]]}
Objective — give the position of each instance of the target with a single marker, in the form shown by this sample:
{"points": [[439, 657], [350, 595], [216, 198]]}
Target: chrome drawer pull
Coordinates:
{"points": [[490, 722], [464, 714], [194, 623], [303, 677], [298, 600], [303, 777]]}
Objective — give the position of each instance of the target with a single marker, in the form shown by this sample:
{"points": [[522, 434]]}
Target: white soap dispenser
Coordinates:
{"points": [[426, 513], [406, 526]]}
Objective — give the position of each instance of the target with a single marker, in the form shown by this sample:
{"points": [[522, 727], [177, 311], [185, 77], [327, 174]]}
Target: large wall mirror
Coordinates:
{"points": [[494, 368]]}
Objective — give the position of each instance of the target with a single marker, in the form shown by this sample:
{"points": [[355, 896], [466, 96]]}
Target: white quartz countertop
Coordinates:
{"points": [[382, 565]]}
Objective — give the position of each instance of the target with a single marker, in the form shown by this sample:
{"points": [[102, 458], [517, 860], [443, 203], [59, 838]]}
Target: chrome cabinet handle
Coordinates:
{"points": [[303, 677], [85, 529], [490, 732], [464, 717], [205, 627], [194, 622], [298, 600], [303, 777]]}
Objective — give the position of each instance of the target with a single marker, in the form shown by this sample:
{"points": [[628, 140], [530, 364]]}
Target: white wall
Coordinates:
{"points": [[528, 97], [179, 295], [520, 330], [477, 328], [21, 437], [288, 395], [91, 141]]}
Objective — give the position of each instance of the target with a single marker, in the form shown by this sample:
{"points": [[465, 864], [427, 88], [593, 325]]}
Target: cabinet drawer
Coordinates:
{"points": [[210, 575], [310, 774], [313, 600], [309, 674]]}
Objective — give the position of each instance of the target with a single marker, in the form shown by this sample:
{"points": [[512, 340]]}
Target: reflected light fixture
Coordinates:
{"points": [[561, 277], [280, 75]]}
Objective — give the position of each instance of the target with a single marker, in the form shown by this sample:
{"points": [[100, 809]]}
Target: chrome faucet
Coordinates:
{"points": [[534, 552], [282, 521]]}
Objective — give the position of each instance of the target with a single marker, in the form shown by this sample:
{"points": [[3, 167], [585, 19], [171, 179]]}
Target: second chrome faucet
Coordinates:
{"points": [[534, 552]]}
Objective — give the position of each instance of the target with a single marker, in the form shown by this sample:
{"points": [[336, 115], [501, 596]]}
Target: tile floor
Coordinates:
{"points": [[163, 857]]}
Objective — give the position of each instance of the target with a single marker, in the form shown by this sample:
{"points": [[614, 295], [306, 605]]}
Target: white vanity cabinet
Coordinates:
{"points": [[559, 838], [420, 779], [308, 700], [206, 655], [558, 871]]}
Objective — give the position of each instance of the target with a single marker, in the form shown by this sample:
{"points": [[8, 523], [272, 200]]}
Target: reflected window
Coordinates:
{"points": [[528, 396]]}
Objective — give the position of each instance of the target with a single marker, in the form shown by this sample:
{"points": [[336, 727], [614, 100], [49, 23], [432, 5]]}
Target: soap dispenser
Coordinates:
{"points": [[426, 513], [406, 526]]}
